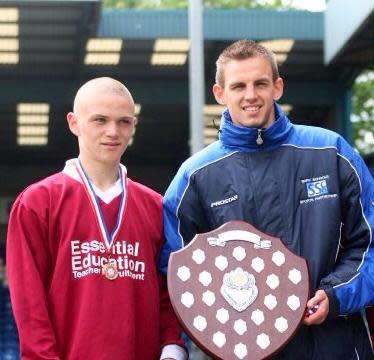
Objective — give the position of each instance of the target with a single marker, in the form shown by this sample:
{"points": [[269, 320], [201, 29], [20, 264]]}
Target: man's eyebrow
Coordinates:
{"points": [[127, 116], [98, 115], [265, 78], [234, 83]]}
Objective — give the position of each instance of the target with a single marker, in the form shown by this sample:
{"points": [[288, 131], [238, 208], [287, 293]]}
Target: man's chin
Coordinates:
{"points": [[251, 123]]}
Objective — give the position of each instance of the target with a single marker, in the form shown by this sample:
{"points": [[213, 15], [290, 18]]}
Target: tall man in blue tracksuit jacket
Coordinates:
{"points": [[303, 184]]}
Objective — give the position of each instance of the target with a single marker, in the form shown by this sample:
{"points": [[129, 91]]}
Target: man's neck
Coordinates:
{"points": [[103, 176]]}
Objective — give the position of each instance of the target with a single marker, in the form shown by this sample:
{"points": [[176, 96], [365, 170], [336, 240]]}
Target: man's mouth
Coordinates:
{"points": [[111, 144], [251, 108]]}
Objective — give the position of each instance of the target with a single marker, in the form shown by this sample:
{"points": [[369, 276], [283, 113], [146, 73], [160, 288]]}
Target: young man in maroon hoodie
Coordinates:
{"points": [[82, 247]]}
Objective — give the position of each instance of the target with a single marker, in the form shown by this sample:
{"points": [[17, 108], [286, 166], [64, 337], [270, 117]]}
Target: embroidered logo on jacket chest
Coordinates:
{"points": [[317, 188]]}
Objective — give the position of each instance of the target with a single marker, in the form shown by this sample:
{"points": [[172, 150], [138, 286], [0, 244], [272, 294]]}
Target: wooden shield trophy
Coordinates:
{"points": [[238, 293]]}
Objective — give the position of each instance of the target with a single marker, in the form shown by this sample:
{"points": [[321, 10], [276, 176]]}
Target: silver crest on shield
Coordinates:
{"points": [[239, 289]]}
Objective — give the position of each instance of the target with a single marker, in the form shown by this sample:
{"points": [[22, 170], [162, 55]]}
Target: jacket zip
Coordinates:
{"points": [[259, 140]]}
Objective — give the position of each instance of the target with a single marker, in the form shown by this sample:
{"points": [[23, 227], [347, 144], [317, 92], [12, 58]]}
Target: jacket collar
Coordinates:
{"points": [[244, 139]]}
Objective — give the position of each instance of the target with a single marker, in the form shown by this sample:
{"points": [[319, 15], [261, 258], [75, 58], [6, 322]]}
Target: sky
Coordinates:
{"points": [[312, 5]]}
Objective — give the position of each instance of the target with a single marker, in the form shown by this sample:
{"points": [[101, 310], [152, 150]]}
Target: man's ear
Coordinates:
{"points": [[219, 94], [278, 89], [73, 123]]}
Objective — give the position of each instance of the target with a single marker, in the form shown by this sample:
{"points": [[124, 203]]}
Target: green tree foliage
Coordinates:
{"points": [[363, 112], [182, 4], [270, 4], [125, 3]]}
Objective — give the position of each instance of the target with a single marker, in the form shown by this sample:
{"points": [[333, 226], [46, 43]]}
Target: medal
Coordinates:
{"points": [[109, 270]]}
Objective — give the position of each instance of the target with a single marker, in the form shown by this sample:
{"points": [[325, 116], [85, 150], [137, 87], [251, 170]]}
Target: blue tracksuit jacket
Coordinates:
{"points": [[305, 185]]}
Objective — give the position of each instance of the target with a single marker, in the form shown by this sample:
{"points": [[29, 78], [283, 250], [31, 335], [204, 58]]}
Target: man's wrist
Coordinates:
{"points": [[333, 302]]}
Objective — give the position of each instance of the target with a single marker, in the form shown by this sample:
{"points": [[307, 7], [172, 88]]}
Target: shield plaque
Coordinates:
{"points": [[238, 293]]}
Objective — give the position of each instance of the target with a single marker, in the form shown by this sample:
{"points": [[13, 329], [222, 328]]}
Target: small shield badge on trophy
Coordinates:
{"points": [[238, 293], [239, 289]]}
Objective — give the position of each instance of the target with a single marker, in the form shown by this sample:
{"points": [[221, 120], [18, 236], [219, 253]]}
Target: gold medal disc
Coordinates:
{"points": [[110, 271]]}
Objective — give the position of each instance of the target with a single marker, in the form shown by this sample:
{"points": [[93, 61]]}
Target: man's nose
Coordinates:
{"points": [[111, 128], [250, 92]]}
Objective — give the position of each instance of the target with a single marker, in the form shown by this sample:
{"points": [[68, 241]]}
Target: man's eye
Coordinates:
{"points": [[127, 121]]}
